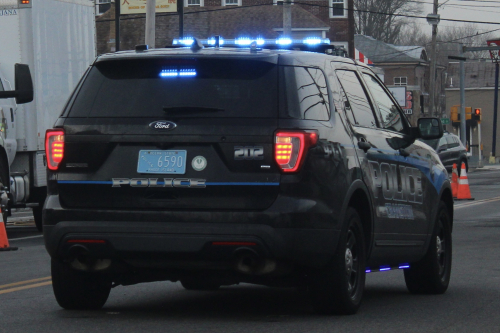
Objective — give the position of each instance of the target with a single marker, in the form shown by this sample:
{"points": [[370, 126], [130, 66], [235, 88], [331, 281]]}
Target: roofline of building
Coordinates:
{"points": [[304, 29], [472, 88], [398, 63]]}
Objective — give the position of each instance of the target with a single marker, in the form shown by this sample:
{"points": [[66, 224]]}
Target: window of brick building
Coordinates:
{"points": [[195, 2], [338, 8], [102, 6], [401, 81], [231, 2]]}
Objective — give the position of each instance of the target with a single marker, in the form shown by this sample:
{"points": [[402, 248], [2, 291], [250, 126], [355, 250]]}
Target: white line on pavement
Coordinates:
{"points": [[14, 239], [477, 202]]}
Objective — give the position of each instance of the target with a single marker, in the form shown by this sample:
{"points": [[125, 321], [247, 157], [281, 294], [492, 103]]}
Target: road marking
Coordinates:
{"points": [[24, 282], [14, 239], [5, 291], [477, 202]]}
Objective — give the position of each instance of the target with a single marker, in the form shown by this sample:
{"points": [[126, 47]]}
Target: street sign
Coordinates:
{"points": [[399, 94], [445, 121], [139, 6]]}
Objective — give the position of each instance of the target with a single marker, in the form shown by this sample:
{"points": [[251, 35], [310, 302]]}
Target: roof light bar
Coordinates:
{"points": [[184, 41], [247, 41]]}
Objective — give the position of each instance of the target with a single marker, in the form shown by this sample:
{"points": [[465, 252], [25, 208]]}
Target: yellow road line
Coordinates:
{"points": [[477, 202], [5, 291], [24, 282]]}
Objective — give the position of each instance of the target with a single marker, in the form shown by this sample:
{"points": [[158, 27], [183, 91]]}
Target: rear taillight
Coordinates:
{"points": [[290, 148], [54, 148]]}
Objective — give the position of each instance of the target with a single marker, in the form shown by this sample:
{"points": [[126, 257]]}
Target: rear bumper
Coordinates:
{"points": [[188, 236]]}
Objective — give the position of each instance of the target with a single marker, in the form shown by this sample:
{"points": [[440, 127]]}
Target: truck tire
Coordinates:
{"points": [[37, 214], [5, 180], [338, 288], [431, 275], [75, 290]]}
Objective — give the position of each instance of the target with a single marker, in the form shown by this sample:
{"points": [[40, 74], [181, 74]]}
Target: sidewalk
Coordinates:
{"points": [[487, 167]]}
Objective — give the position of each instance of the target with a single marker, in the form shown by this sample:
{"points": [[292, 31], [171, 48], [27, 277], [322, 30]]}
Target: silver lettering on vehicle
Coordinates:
{"points": [[248, 153], [399, 211], [403, 184], [163, 125], [155, 182]]}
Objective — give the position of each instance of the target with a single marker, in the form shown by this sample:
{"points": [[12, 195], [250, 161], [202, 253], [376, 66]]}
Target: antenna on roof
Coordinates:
{"points": [[217, 41], [197, 45], [253, 47]]}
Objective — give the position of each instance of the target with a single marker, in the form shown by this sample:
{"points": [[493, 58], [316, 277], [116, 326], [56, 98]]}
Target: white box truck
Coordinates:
{"points": [[56, 38]]}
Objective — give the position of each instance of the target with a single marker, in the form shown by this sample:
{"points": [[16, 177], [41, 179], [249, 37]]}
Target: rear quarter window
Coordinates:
{"points": [[306, 93]]}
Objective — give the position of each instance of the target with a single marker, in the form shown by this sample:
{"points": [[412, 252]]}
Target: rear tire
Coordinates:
{"points": [[75, 290], [338, 288], [431, 275], [5, 180]]}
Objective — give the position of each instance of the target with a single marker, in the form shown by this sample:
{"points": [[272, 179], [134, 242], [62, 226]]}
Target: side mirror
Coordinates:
{"points": [[24, 84], [442, 148], [429, 128]]}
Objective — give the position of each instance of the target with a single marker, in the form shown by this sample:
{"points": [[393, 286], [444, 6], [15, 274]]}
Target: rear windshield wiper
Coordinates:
{"points": [[190, 109]]}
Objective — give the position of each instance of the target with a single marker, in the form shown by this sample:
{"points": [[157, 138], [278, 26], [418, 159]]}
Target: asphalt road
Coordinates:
{"points": [[471, 304]]}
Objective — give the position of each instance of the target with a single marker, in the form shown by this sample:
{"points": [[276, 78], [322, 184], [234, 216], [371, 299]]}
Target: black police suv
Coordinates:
{"points": [[450, 150], [218, 166]]}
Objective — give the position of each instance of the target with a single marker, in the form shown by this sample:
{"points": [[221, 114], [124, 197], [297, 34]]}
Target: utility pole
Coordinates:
{"points": [[495, 56], [117, 25], [150, 23], [461, 58], [287, 19], [433, 19], [180, 10], [495, 109], [463, 120]]}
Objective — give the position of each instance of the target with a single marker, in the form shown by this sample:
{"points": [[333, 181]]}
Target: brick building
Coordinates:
{"points": [[231, 19]]}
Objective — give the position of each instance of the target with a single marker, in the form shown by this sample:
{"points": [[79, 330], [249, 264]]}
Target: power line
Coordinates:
{"points": [[396, 53], [458, 5], [187, 13], [305, 4], [394, 14]]}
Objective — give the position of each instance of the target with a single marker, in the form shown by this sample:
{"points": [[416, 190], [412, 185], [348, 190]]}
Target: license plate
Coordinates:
{"points": [[162, 161]]}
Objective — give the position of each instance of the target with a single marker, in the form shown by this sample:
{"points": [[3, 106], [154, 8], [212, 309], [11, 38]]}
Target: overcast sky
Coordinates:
{"points": [[484, 10]]}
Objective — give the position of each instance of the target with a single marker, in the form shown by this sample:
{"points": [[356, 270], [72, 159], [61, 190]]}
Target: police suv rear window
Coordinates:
{"points": [[179, 88]]}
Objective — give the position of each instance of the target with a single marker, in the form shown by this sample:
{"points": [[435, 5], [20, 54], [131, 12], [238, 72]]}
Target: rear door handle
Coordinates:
{"points": [[364, 145]]}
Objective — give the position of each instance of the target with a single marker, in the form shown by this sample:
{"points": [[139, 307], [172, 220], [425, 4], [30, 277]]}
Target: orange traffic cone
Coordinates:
{"points": [[463, 186], [4, 242], [454, 180]]}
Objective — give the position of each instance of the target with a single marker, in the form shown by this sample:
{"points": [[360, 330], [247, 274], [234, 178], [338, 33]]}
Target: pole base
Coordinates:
{"points": [[12, 248]]}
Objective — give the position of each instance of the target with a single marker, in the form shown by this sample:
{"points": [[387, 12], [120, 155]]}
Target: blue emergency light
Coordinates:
{"points": [[247, 41]]}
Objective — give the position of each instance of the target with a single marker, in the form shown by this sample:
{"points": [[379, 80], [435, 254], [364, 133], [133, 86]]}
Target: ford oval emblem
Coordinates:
{"points": [[163, 125]]}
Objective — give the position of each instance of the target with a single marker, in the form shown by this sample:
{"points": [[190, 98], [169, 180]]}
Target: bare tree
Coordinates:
{"points": [[413, 35], [468, 34], [375, 17], [448, 40]]}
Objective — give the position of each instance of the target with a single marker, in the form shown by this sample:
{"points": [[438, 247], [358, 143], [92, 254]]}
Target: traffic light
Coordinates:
{"points": [[455, 113], [477, 114]]}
